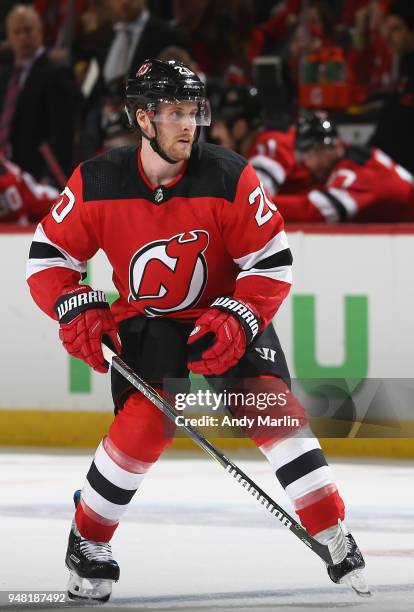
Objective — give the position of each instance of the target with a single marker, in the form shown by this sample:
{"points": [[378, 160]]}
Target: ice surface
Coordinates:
{"points": [[193, 539]]}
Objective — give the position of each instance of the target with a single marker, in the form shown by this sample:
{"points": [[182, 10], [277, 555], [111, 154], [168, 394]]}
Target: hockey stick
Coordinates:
{"points": [[287, 521]]}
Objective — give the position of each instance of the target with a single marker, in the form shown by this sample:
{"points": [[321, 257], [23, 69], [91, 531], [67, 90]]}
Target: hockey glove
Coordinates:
{"points": [[221, 336], [84, 318]]}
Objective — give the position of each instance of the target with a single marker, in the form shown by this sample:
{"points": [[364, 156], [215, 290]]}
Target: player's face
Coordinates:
{"points": [[176, 127], [319, 160], [399, 36]]}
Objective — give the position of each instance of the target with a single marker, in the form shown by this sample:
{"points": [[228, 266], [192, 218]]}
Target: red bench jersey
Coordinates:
{"points": [[22, 199], [272, 154], [365, 185]]}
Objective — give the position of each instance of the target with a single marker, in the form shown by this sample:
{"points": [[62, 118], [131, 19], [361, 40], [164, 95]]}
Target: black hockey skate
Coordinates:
{"points": [[348, 562], [91, 566]]}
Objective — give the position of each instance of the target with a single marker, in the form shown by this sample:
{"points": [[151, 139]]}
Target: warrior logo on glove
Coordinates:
{"points": [[169, 275], [85, 319]]}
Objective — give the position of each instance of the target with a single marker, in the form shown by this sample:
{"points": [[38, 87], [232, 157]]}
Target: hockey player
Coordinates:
{"points": [[22, 199], [185, 225], [239, 125], [352, 183]]}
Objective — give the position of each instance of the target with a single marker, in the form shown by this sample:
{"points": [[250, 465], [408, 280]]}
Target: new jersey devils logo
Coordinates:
{"points": [[144, 69], [169, 275]]}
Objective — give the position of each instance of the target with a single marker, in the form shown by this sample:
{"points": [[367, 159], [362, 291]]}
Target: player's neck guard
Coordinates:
{"points": [[156, 147]]}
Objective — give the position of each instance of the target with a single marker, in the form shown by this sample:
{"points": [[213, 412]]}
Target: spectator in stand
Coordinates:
{"points": [[38, 99], [354, 183], [370, 59], [22, 199], [88, 55], [189, 15], [395, 128], [96, 28], [289, 14], [265, 9], [316, 29], [350, 9], [135, 36], [238, 125], [280, 24], [61, 19], [5, 8], [224, 37]]}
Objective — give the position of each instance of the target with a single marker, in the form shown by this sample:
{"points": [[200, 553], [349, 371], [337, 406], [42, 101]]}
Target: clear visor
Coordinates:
{"points": [[194, 112]]}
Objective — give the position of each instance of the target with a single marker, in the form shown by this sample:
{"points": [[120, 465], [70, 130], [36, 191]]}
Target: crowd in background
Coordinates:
{"points": [[63, 65]]}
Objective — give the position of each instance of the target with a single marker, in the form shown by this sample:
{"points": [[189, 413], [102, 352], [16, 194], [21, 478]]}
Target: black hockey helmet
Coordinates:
{"points": [[171, 81], [315, 128]]}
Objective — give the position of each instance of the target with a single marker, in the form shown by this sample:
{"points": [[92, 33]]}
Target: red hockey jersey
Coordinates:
{"points": [[272, 155], [174, 248], [365, 185], [22, 199]]}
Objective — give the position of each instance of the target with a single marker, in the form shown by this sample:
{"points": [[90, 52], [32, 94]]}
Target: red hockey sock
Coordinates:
{"points": [[141, 430], [323, 513]]}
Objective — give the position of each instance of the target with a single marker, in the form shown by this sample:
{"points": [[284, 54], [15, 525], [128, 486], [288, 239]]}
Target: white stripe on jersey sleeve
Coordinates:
{"points": [[38, 189], [267, 182], [383, 158], [404, 174], [66, 261], [271, 166], [276, 244], [325, 206], [386, 161], [282, 273], [346, 200]]}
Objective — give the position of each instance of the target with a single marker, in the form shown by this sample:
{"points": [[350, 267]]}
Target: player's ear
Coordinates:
{"points": [[143, 121]]}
